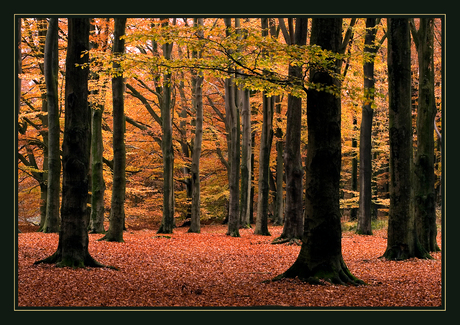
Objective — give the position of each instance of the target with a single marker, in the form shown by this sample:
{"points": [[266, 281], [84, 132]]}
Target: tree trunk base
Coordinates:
{"points": [[334, 271], [112, 238], [87, 261], [287, 241], [401, 252], [234, 233]]}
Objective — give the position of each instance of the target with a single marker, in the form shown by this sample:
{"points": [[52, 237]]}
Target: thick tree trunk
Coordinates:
{"points": [[197, 143], [167, 223], [320, 257], [233, 129], [294, 220], [246, 151], [402, 242], [42, 26], [73, 237], [365, 136], [264, 167], [232, 117], [424, 180], [117, 210], [54, 157], [97, 179]]}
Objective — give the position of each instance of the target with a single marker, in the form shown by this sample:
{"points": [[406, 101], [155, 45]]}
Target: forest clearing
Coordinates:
{"points": [[211, 269]]}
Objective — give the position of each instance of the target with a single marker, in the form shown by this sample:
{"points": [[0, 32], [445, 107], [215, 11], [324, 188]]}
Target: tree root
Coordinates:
{"points": [[288, 241]]}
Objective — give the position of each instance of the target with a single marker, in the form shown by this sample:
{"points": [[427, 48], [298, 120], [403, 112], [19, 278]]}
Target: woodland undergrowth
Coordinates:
{"points": [[214, 270]]}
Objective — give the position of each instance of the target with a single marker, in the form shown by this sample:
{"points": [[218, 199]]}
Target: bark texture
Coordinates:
{"points": [[73, 236], [293, 221], [402, 242], [233, 129], [54, 157], [167, 222], [424, 180], [365, 136], [320, 257], [197, 143], [264, 167], [117, 209]]}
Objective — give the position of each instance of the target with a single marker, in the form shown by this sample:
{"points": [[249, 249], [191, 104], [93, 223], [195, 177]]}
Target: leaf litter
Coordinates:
{"points": [[211, 269]]}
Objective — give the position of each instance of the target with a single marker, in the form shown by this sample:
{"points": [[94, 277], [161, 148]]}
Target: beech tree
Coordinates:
{"points": [[320, 257], [98, 187], [167, 222], [197, 83], [266, 137], [424, 178], [402, 240], [51, 67], [73, 236], [232, 117], [293, 223], [117, 211]]}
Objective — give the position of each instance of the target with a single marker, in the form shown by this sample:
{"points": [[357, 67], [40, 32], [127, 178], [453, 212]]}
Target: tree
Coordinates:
{"points": [[73, 236], [320, 256], [233, 121], [96, 224], [266, 137], [365, 136], [402, 240], [51, 69], [197, 143], [293, 223], [167, 222], [424, 178], [117, 211]]}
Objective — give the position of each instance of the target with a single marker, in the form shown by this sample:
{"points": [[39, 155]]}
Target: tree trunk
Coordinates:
{"points": [[246, 151], [54, 157], [293, 221], [365, 136], [42, 26], [73, 237], [97, 179], [167, 223], [320, 257], [117, 209], [197, 143], [234, 157], [424, 180], [402, 242], [264, 167], [233, 127]]}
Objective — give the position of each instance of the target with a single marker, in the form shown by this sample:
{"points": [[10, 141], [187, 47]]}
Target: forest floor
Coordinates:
{"points": [[211, 269]]}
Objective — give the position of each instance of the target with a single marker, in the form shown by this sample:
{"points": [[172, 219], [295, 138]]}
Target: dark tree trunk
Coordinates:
{"points": [[402, 242], [320, 257], [42, 26], [233, 127], [96, 224], [73, 237], [197, 143], [264, 167], [365, 137], [54, 156], [97, 177], [246, 150], [293, 220], [117, 209], [424, 180], [167, 223]]}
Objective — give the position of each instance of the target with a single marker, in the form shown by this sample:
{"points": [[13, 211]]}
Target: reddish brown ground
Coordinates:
{"points": [[213, 270]]}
